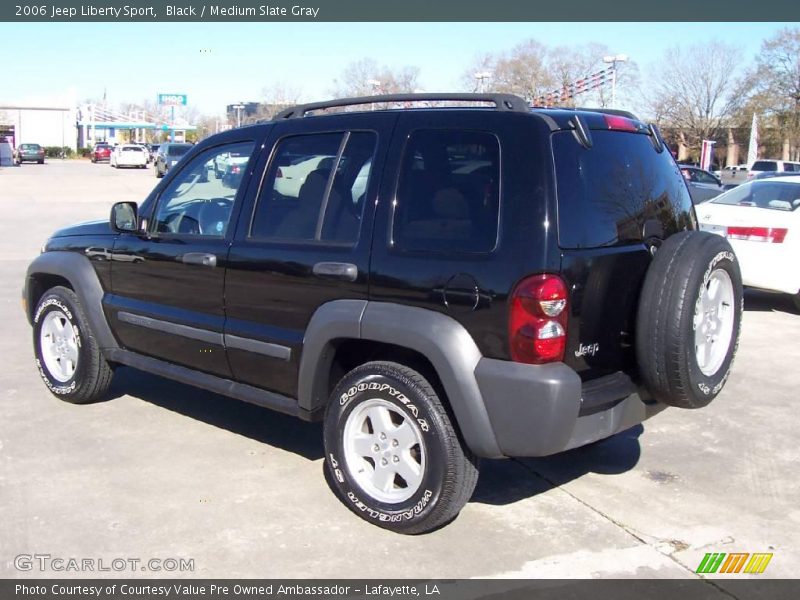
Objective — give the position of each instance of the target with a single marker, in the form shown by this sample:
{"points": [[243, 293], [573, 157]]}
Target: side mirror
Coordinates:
{"points": [[125, 217]]}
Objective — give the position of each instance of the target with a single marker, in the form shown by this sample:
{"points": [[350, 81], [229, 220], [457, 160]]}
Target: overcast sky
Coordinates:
{"points": [[222, 63]]}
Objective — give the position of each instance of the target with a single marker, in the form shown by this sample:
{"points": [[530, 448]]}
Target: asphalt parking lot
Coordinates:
{"points": [[166, 471]]}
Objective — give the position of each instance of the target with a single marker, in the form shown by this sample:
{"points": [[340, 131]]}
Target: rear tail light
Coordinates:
{"points": [[279, 174], [537, 323], [618, 123], [235, 170], [772, 235]]}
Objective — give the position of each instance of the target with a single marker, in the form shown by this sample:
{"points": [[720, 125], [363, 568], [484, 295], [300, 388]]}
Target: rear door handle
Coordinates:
{"points": [[200, 258], [336, 270]]}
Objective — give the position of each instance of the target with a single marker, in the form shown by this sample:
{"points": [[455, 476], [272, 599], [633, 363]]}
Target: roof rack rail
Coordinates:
{"points": [[503, 102]]}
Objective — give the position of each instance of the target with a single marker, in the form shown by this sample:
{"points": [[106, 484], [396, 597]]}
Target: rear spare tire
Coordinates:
{"points": [[690, 313]]}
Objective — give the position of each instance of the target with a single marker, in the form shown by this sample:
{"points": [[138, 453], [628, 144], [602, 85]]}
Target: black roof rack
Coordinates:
{"points": [[504, 102]]}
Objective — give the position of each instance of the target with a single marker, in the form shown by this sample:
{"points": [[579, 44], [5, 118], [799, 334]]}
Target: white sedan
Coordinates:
{"points": [[761, 220], [290, 178], [129, 155]]}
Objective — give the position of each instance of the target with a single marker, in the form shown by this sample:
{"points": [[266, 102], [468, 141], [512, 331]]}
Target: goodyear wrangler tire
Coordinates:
{"points": [[67, 355], [689, 317], [391, 451]]}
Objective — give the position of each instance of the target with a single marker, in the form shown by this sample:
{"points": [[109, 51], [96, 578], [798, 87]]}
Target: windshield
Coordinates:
{"points": [[775, 195]]}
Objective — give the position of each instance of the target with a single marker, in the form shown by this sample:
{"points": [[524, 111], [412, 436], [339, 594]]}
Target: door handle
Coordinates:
{"points": [[336, 270], [199, 258]]}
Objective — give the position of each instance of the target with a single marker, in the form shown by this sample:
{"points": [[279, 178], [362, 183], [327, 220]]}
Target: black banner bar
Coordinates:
{"points": [[150, 11]]}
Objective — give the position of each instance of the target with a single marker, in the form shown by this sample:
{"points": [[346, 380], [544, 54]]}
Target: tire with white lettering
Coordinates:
{"points": [[67, 355], [391, 451], [689, 317]]}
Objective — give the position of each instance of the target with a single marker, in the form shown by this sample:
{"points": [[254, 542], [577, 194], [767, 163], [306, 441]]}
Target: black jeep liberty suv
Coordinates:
{"points": [[470, 278]]}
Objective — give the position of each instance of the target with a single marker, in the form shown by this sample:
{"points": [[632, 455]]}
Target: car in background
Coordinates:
{"points": [[733, 175], [702, 184], [761, 220], [290, 178], [168, 156], [29, 153], [229, 163], [101, 152], [129, 155], [773, 166], [153, 149]]}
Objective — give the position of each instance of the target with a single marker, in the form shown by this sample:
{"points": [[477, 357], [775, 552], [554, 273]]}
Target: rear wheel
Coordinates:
{"points": [[392, 453], [67, 354], [689, 318]]}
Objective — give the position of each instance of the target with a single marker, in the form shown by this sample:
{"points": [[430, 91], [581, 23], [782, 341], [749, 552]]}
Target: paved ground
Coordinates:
{"points": [[163, 470]]}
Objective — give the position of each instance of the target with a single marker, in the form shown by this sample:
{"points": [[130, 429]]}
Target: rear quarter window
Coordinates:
{"points": [[448, 194], [614, 192], [764, 165]]}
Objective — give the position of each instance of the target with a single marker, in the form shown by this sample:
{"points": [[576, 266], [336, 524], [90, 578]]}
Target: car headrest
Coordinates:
{"points": [[313, 188], [449, 203], [780, 204]]}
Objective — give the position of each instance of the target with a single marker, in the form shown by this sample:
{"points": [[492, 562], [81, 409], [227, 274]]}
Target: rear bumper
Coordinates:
{"points": [[538, 410]]}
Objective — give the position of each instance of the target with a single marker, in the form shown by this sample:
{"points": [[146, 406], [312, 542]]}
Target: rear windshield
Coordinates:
{"points": [[133, 149], [29, 147], [617, 192], [764, 165], [177, 150], [775, 195]]}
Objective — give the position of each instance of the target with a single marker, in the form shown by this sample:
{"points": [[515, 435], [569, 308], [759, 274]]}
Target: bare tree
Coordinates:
{"points": [[276, 97], [696, 91], [777, 76], [533, 70], [365, 77]]}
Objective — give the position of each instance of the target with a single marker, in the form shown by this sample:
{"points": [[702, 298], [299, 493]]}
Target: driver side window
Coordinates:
{"points": [[199, 200]]}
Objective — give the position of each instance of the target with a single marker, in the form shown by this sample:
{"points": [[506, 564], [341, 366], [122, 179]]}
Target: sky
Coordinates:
{"points": [[217, 64]]}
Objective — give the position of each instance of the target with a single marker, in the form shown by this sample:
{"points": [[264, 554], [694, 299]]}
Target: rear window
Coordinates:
{"points": [[177, 150], [775, 195], [29, 147], [764, 165], [611, 193], [132, 149]]}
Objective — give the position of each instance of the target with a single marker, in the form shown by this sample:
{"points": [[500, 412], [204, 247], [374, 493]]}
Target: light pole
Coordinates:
{"points": [[613, 59], [238, 108], [480, 78]]}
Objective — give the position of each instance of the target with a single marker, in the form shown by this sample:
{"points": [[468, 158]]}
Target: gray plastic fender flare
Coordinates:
{"points": [[76, 269], [440, 338]]}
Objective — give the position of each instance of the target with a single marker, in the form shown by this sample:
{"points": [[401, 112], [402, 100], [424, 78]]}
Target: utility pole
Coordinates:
{"points": [[613, 60], [480, 79], [238, 108]]}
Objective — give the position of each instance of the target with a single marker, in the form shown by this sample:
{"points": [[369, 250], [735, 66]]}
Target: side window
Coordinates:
{"points": [[705, 177], [196, 203], [448, 195], [315, 188]]}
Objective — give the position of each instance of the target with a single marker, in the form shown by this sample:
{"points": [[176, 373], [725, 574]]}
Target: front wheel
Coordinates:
{"points": [[392, 453], [67, 354]]}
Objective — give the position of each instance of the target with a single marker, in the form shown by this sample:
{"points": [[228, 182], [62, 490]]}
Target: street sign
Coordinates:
{"points": [[172, 99]]}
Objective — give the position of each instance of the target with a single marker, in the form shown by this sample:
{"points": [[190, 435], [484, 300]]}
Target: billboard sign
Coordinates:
{"points": [[172, 99]]}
